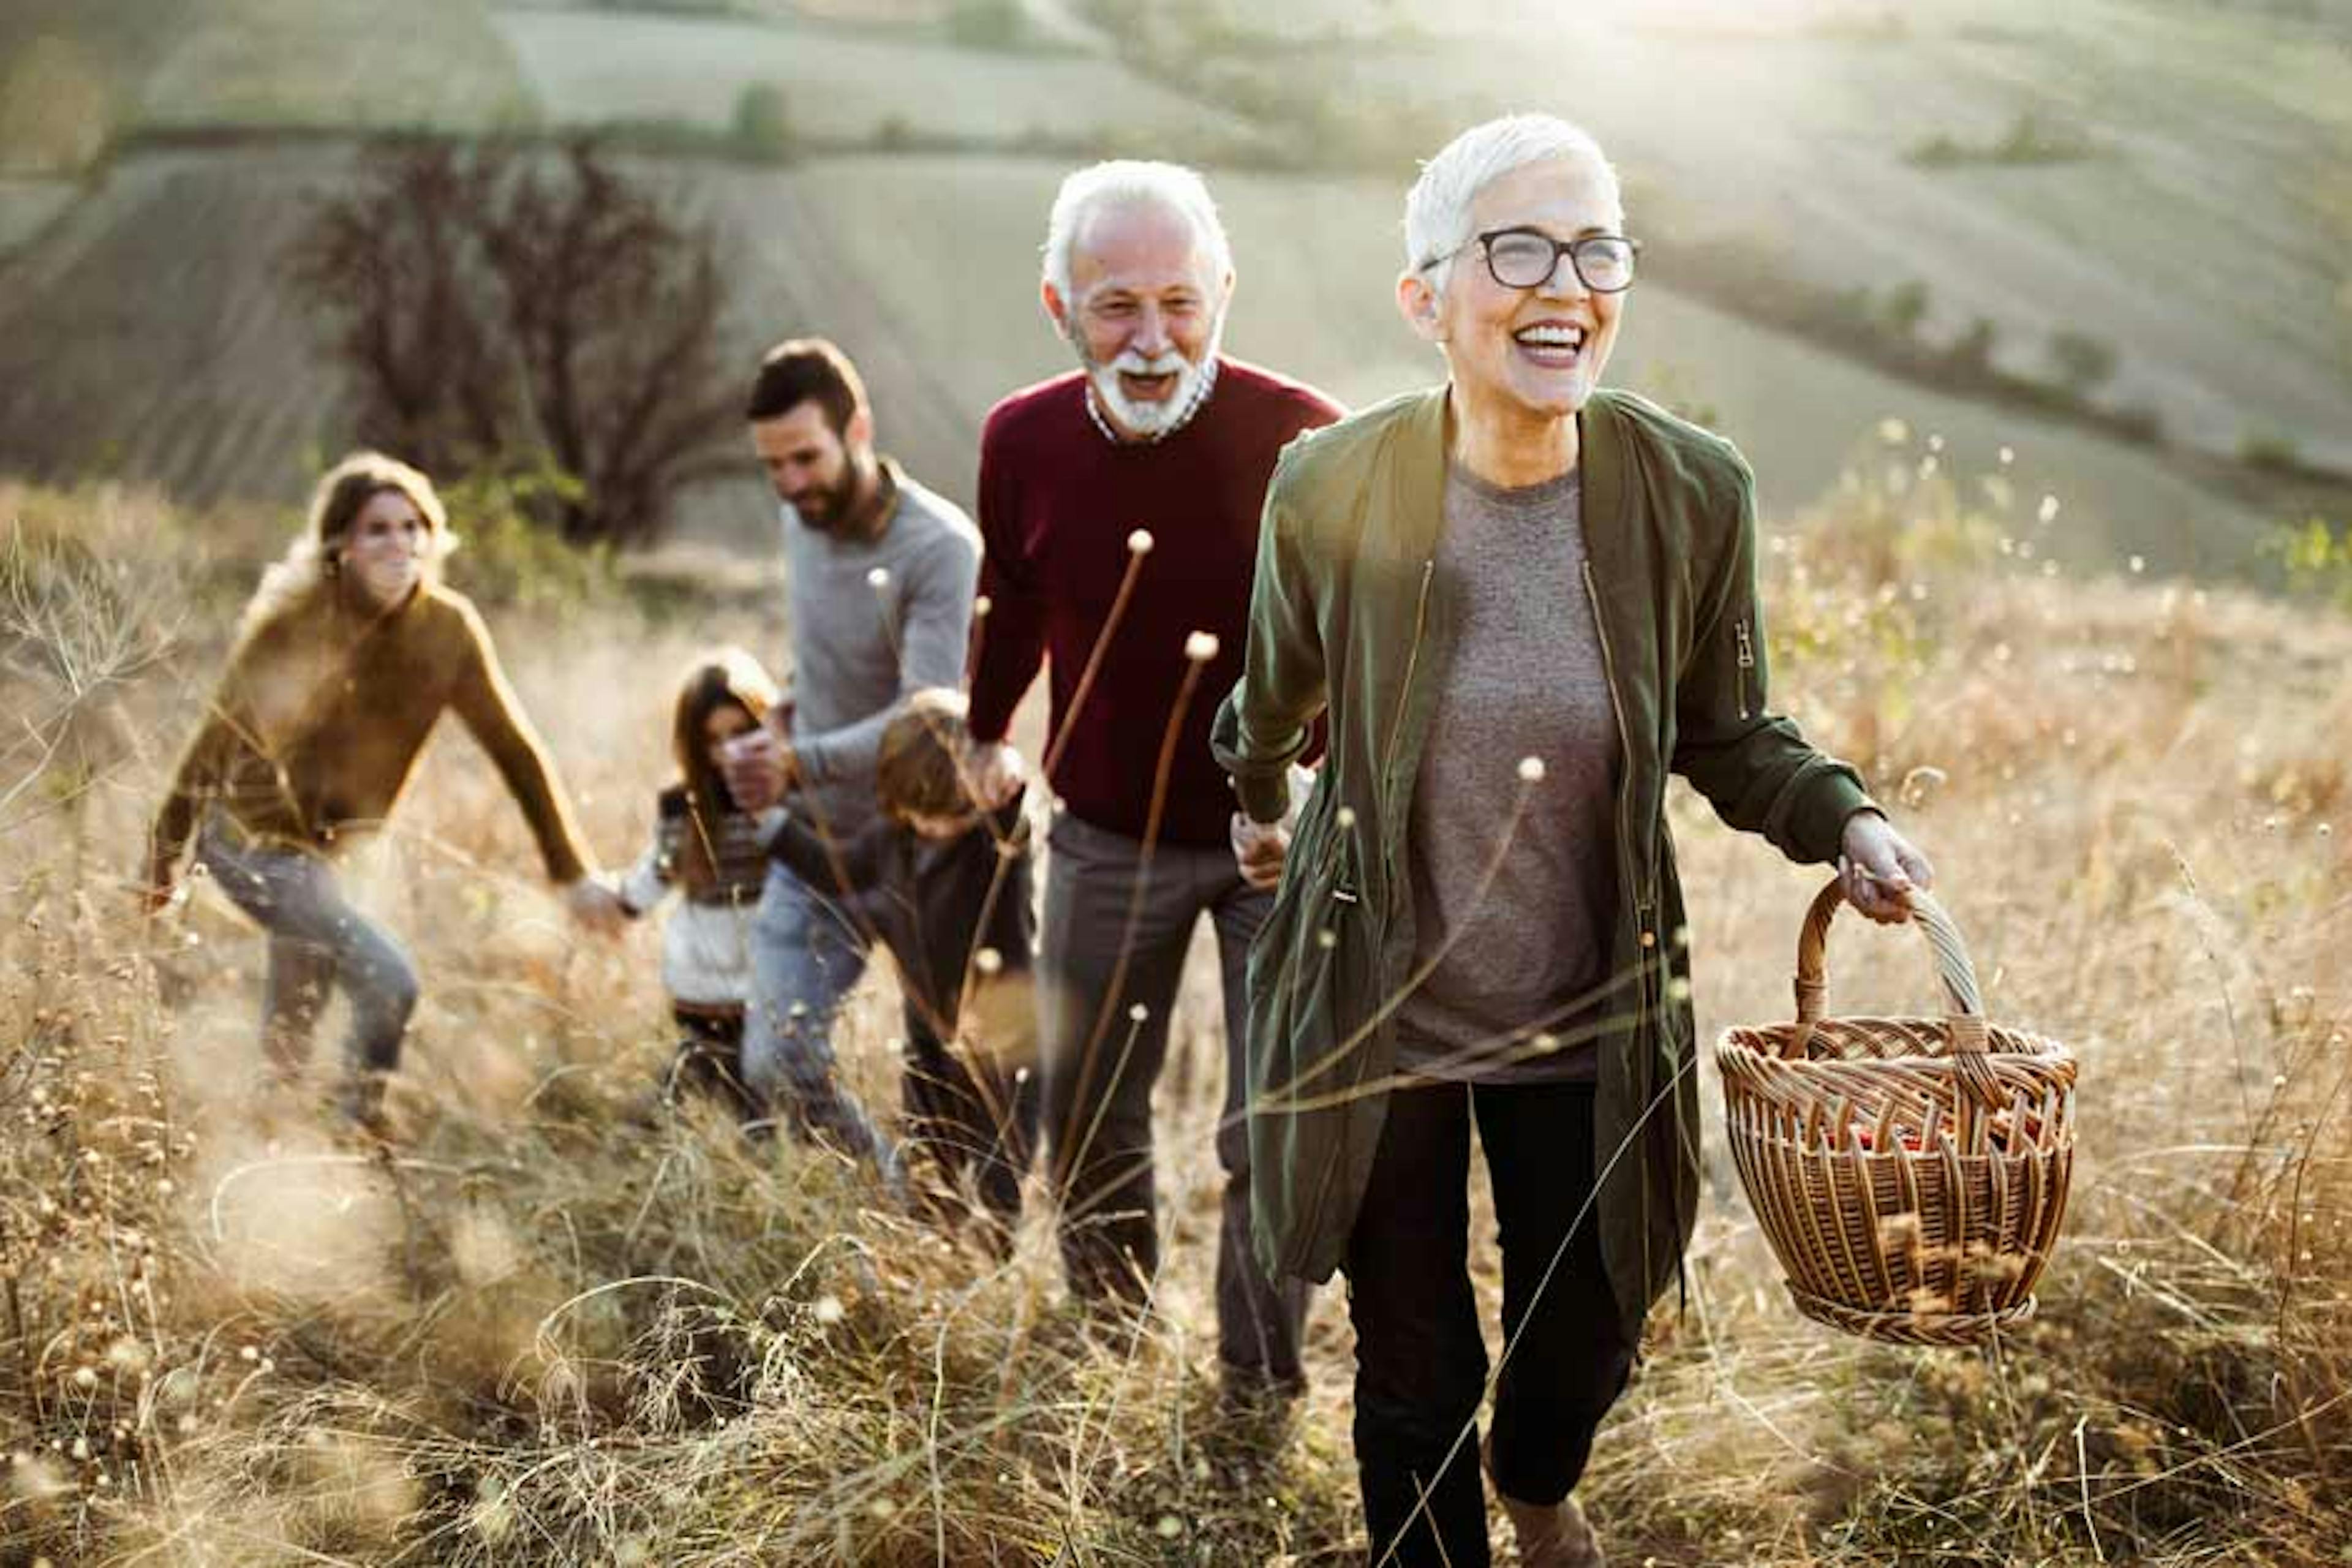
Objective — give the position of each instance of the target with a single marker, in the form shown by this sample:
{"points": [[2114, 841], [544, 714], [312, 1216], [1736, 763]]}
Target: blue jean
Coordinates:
{"points": [[318, 941], [807, 953]]}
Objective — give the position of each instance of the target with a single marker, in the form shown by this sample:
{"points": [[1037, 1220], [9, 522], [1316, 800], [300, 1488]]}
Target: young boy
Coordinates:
{"points": [[947, 888]]}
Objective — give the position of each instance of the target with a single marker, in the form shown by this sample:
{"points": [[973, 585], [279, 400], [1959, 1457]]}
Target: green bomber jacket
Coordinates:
{"points": [[1351, 620]]}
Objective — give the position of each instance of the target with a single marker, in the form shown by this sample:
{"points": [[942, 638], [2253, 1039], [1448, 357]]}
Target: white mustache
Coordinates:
{"points": [[1133, 362]]}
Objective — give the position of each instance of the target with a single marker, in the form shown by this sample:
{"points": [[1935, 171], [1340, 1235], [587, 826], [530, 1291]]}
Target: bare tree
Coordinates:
{"points": [[508, 305]]}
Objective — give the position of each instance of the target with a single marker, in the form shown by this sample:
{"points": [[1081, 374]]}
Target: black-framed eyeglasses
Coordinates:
{"points": [[1528, 257]]}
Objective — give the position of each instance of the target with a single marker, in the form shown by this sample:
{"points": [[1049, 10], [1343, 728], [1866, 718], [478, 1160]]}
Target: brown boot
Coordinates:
{"points": [[1551, 1536]]}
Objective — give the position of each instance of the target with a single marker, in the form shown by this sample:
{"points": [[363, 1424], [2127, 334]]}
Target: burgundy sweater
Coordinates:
{"points": [[1057, 502]]}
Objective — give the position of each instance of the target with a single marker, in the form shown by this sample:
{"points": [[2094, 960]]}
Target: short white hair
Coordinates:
{"points": [[1129, 181], [1437, 209]]}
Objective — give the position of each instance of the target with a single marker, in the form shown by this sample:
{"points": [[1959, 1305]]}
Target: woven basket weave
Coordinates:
{"points": [[1910, 1173]]}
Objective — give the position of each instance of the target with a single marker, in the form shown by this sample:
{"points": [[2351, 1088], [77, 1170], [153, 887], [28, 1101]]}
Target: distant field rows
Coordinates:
{"points": [[2207, 238], [592, 66], [151, 335]]}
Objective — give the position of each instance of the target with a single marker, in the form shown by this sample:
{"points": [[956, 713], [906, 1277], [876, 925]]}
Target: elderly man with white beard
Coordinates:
{"points": [[1119, 513]]}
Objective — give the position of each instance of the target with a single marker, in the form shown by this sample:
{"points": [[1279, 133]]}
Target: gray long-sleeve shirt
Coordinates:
{"points": [[862, 642]]}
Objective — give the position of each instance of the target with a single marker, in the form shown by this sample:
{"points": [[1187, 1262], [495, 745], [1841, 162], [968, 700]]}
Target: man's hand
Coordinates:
{"points": [[595, 905], [760, 768], [1878, 867], [1259, 849], [997, 772]]}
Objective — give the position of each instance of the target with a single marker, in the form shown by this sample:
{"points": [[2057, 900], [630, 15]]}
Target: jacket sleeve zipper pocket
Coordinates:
{"points": [[1747, 661]]}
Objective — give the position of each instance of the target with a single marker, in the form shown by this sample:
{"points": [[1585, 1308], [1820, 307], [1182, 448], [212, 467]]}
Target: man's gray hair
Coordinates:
{"points": [[1132, 182], [1437, 209]]}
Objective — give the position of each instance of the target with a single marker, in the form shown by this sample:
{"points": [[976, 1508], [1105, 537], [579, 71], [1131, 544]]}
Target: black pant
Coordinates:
{"points": [[975, 1125], [1420, 1367]]}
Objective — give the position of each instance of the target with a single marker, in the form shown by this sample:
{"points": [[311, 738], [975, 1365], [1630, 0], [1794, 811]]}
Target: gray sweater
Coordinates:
{"points": [[1519, 956], [861, 643]]}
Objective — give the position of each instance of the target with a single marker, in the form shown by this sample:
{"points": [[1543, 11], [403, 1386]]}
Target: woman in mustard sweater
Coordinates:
{"points": [[348, 655]]}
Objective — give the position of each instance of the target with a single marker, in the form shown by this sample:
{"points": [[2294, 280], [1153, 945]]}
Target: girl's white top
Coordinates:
{"points": [[706, 942]]}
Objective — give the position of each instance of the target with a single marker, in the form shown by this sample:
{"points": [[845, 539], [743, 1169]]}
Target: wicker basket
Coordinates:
{"points": [[1910, 1173]]}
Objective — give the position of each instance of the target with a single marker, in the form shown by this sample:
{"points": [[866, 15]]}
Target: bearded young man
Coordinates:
{"points": [[879, 577], [1152, 458]]}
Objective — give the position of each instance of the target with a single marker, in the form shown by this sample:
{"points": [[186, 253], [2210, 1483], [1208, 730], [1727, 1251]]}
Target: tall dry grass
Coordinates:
{"points": [[537, 1333]]}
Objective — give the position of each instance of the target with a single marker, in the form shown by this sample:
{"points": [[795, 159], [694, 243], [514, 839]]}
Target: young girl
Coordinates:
{"points": [[714, 853]]}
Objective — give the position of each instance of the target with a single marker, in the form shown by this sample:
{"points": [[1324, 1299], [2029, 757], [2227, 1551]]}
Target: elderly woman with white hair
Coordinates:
{"points": [[1523, 600]]}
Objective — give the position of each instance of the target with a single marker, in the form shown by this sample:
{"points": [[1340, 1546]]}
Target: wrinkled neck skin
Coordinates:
{"points": [[1505, 443]]}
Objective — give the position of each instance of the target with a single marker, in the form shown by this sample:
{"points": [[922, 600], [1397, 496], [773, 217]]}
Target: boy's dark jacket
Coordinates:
{"points": [[934, 903], [1348, 611]]}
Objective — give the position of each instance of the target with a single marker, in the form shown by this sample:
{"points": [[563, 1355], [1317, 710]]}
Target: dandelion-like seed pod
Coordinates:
{"points": [[1911, 1174]]}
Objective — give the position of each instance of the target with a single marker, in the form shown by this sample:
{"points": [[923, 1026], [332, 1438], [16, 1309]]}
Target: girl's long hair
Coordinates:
{"points": [[303, 579], [716, 680]]}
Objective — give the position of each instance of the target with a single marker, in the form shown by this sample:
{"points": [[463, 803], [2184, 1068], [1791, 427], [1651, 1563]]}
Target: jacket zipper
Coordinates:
{"points": [[1312, 1213], [1625, 741], [1412, 657], [1647, 932], [1747, 661], [1392, 828]]}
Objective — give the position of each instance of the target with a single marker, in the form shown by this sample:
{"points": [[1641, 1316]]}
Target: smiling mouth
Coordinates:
{"points": [[1554, 346], [1147, 388]]}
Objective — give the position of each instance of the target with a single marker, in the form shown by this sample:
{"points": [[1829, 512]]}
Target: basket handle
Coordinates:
{"points": [[1971, 1049]]}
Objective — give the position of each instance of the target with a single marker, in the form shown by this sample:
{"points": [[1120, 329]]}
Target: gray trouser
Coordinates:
{"points": [[317, 942], [1100, 961]]}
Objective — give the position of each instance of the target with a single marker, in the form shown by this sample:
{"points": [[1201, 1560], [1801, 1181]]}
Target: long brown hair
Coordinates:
{"points": [[300, 579], [714, 681]]}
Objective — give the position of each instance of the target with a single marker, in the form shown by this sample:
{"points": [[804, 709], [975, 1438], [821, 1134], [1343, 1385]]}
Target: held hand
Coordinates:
{"points": [[1879, 867], [760, 768], [1259, 849], [595, 905], [158, 893], [996, 772]]}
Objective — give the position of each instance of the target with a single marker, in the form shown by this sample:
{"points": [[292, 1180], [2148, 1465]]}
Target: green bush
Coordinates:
{"points": [[1904, 307], [2028, 140], [2316, 556], [763, 126], [986, 24], [2082, 361], [507, 559], [2268, 449], [1970, 353]]}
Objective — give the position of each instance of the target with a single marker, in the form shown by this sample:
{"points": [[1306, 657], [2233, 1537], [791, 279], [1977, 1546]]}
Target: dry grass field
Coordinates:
{"points": [[531, 1334]]}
